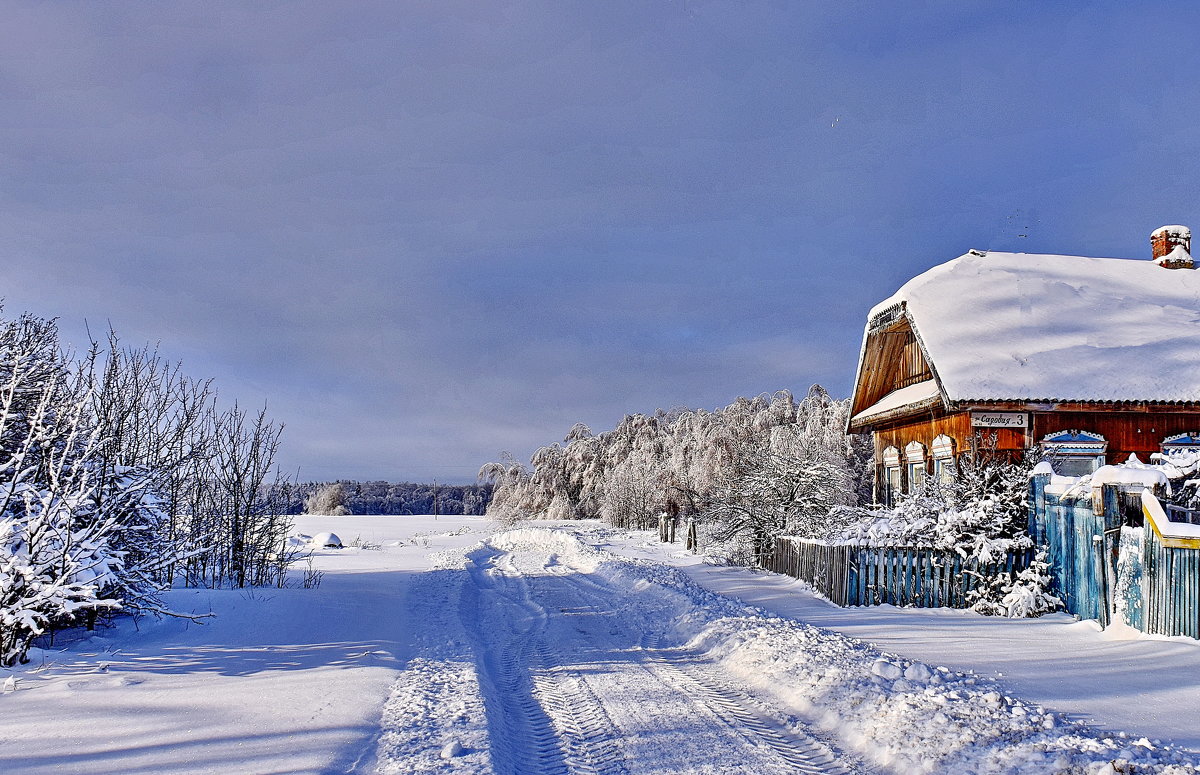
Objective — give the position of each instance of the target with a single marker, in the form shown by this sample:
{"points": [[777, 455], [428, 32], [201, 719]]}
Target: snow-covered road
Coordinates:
{"points": [[576, 679]]}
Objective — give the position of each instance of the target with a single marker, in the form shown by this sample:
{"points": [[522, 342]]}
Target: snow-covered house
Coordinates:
{"points": [[1087, 359]]}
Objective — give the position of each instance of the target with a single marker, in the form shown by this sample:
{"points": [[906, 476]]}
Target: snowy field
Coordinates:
{"points": [[436, 646]]}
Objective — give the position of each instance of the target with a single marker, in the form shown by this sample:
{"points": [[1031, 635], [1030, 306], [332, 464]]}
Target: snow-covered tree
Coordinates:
{"points": [[328, 500], [685, 461], [115, 472]]}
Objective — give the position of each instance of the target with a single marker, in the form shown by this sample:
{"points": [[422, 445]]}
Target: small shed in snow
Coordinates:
{"points": [[1087, 359]]}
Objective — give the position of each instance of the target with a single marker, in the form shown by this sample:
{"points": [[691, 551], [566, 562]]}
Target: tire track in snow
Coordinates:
{"points": [[686, 674], [552, 711], [541, 721], [743, 712], [588, 733]]}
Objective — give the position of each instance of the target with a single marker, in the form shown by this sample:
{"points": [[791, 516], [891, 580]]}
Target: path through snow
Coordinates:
{"points": [[578, 680]]}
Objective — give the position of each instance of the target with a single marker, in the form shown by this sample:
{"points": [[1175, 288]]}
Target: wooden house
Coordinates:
{"points": [[1087, 360]]}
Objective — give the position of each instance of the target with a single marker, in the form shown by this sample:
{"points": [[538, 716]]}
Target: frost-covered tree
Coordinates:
{"points": [[509, 479], [685, 461], [328, 500], [77, 536], [791, 483], [119, 476]]}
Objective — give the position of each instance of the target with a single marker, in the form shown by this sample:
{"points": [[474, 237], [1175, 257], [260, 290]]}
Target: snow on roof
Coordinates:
{"points": [[905, 396], [1045, 327]]}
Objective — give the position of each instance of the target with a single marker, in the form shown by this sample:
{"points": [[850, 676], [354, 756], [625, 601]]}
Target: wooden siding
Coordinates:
{"points": [[1126, 432]]}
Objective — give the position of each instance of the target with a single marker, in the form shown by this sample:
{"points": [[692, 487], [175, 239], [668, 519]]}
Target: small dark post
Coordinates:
{"points": [[693, 544]]}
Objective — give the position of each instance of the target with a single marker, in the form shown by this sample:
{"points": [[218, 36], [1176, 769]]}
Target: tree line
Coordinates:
{"points": [[121, 476], [347, 496], [770, 466]]}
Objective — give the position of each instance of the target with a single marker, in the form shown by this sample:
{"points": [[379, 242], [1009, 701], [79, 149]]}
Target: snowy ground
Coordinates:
{"points": [[447, 649], [1121, 680], [281, 681]]}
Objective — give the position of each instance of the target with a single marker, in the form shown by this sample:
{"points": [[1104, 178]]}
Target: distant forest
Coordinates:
{"points": [[402, 498]]}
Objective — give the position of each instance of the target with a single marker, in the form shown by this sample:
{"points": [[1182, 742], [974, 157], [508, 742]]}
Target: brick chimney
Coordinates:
{"points": [[1172, 246]]}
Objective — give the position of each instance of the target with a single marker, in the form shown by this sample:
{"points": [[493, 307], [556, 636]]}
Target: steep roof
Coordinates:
{"points": [[1017, 326]]}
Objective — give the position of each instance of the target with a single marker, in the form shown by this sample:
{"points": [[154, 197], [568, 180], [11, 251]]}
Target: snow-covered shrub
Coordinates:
{"points": [[1029, 595], [328, 500], [981, 516]]}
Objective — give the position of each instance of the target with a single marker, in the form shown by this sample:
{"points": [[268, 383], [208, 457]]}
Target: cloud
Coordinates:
{"points": [[426, 232]]}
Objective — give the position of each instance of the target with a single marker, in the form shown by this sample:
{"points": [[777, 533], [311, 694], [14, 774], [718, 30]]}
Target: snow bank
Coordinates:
{"points": [[434, 719], [434, 713], [905, 716], [326, 541], [557, 542]]}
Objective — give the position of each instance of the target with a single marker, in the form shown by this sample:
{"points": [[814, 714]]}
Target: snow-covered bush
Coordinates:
{"points": [[1029, 594], [981, 516], [328, 500], [114, 474]]}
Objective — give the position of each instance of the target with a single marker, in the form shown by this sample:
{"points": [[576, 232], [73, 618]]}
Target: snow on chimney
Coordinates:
{"points": [[1172, 247]]}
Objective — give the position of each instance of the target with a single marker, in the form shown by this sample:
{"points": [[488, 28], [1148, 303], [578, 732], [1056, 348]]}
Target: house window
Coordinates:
{"points": [[914, 459], [1074, 452], [1189, 442], [891, 476], [943, 459]]}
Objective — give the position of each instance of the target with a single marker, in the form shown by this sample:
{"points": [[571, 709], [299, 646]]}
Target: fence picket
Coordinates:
{"points": [[898, 575]]}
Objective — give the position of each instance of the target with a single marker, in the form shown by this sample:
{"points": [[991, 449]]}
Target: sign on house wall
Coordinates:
{"points": [[1000, 419]]}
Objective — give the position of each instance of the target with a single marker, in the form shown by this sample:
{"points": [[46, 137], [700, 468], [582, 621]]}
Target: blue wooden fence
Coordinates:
{"points": [[1170, 572], [897, 575], [1146, 574], [1080, 534]]}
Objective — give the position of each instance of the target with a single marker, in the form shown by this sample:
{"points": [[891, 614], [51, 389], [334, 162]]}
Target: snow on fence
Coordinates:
{"points": [[897, 575], [1105, 568]]}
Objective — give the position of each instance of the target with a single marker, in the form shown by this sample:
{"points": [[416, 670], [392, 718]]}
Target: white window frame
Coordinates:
{"points": [[943, 459], [1075, 445], [891, 470], [916, 466], [1181, 441]]}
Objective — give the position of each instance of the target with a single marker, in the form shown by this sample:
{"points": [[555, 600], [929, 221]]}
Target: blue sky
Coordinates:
{"points": [[424, 233]]}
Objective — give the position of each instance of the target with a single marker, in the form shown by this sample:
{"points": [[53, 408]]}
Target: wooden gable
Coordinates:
{"points": [[892, 358]]}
